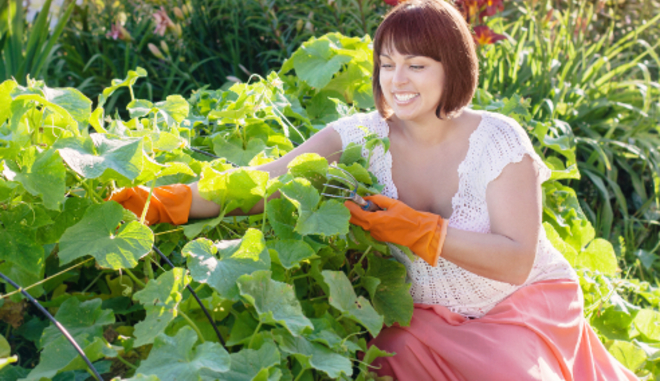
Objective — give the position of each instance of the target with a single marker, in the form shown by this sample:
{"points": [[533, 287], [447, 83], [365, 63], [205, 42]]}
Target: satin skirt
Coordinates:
{"points": [[537, 333]]}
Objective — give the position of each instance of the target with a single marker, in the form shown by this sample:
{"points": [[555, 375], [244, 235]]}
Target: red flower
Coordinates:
{"points": [[394, 2], [492, 6], [483, 35], [469, 8]]}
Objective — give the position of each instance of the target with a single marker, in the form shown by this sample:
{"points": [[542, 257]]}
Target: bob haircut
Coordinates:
{"points": [[435, 29]]}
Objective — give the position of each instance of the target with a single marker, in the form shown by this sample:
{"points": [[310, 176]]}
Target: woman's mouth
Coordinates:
{"points": [[405, 98]]}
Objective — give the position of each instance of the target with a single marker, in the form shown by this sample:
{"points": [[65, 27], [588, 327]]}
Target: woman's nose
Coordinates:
{"points": [[400, 76]]}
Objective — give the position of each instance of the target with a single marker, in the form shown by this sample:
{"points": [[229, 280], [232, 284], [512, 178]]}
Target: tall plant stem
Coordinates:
{"points": [[254, 334], [193, 325], [135, 279]]}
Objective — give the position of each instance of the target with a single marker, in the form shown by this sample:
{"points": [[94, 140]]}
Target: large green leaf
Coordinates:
{"points": [[647, 323], [248, 363], [231, 189], [343, 298], [42, 174], [70, 103], [316, 62], [23, 259], [233, 149], [291, 252], [74, 210], [234, 258], [131, 77], [329, 218], [598, 256], [282, 217], [160, 299], [85, 321], [628, 354], [92, 157], [275, 302], [96, 235], [391, 297], [177, 359], [314, 355]]}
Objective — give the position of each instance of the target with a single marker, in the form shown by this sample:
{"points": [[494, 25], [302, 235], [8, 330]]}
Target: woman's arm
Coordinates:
{"points": [[514, 206], [326, 143]]}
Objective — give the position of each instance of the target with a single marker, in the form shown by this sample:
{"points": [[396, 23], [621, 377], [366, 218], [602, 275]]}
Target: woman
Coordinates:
{"points": [[494, 299]]}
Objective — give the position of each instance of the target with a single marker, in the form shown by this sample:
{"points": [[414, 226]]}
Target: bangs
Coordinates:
{"points": [[408, 31]]}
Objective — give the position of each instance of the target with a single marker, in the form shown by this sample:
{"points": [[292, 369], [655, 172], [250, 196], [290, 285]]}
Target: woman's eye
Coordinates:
{"points": [[386, 65], [416, 67]]}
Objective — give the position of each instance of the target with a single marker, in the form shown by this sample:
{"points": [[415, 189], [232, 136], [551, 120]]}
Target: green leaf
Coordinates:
{"points": [[5, 348], [70, 103], [42, 174], [343, 298], [248, 363], [74, 210], [23, 259], [372, 354], [392, 295], [275, 302], [92, 157], [329, 218], [240, 188], [647, 323], [160, 298], [96, 235], [243, 328], [175, 106], [291, 252], [235, 258], [565, 249], [311, 166], [599, 256], [314, 355], [130, 80], [5, 99], [281, 214], [85, 321], [176, 359], [316, 63], [234, 150], [628, 354]]}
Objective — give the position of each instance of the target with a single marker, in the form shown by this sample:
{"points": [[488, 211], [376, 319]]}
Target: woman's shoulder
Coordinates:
{"points": [[503, 141]]}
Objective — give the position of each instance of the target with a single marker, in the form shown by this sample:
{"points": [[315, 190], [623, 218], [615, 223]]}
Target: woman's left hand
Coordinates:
{"points": [[424, 233]]}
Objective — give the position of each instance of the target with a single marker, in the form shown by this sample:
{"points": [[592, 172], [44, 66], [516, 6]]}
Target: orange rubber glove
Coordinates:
{"points": [[169, 203], [424, 233]]}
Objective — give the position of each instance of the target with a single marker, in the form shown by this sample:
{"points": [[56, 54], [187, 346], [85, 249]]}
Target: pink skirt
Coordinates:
{"points": [[538, 333]]}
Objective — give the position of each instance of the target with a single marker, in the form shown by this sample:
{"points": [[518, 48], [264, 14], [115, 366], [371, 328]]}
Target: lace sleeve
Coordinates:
{"points": [[507, 142]]}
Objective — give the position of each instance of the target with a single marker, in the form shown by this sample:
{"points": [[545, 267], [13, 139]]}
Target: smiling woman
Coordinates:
{"points": [[462, 189]]}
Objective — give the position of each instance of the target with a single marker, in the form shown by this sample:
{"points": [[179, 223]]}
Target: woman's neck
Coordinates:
{"points": [[427, 132]]}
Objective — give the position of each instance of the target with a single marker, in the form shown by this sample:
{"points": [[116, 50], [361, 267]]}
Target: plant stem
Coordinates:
{"points": [[146, 205], [135, 279], [253, 335], [193, 325], [125, 362], [300, 374], [359, 261], [47, 279]]}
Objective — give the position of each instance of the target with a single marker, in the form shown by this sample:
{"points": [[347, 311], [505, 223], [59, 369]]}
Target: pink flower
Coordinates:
{"points": [[393, 2], [483, 35], [163, 22], [118, 32]]}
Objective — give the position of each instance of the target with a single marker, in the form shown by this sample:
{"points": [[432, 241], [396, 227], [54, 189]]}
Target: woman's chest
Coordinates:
{"points": [[428, 179]]}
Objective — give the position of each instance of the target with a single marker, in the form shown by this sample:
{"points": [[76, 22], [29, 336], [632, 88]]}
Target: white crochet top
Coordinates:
{"points": [[497, 141]]}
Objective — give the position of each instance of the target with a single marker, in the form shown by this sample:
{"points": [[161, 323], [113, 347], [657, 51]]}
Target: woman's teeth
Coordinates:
{"points": [[404, 97]]}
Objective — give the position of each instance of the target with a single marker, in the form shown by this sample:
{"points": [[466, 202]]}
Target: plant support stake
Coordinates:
{"points": [[194, 294], [57, 324]]}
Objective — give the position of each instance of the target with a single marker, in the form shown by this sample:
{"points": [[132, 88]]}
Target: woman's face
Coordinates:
{"points": [[411, 85]]}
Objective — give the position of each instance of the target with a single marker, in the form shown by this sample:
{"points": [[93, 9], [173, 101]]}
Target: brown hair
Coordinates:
{"points": [[435, 29]]}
